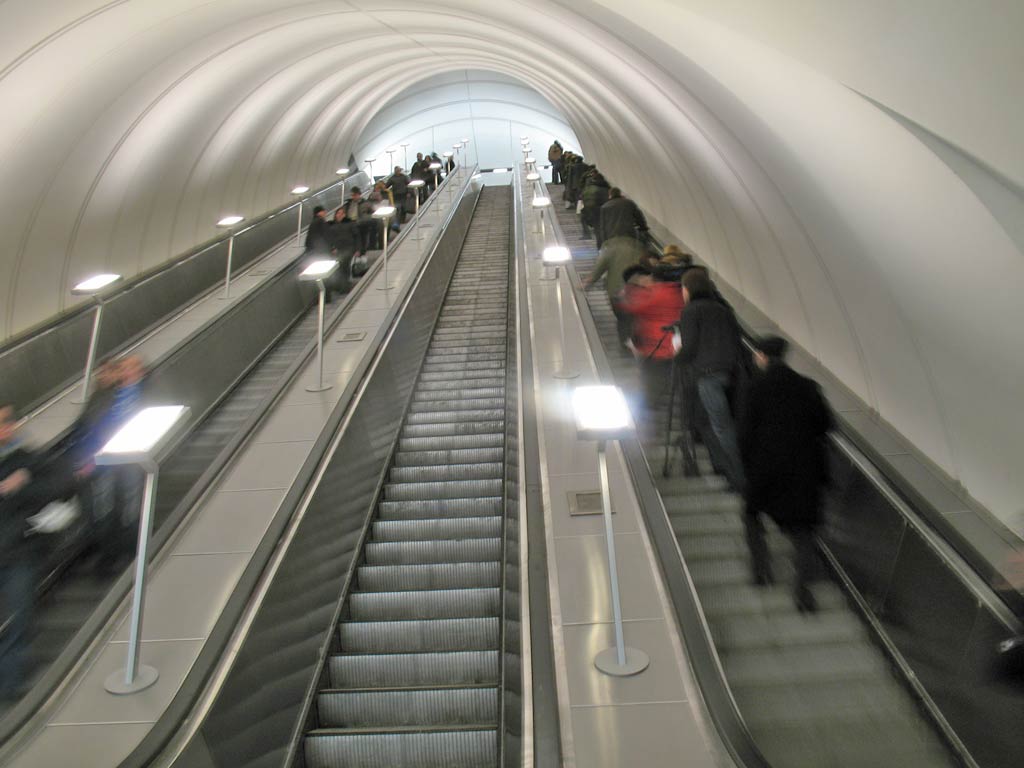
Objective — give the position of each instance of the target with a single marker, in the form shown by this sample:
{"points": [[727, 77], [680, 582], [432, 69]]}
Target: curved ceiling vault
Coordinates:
{"points": [[130, 127]]}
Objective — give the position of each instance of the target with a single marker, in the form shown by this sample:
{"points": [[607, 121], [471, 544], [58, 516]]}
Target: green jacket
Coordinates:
{"points": [[617, 255]]}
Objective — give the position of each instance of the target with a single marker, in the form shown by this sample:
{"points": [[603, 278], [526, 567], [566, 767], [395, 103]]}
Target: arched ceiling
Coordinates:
{"points": [[130, 126]]}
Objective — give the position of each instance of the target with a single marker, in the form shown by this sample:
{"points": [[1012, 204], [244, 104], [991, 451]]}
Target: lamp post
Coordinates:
{"points": [[417, 185], [391, 158], [539, 204], [319, 271], [405, 149], [343, 172], [436, 168], [299, 191], [370, 161], [139, 442], [601, 414], [228, 222], [94, 287], [556, 256], [384, 213]]}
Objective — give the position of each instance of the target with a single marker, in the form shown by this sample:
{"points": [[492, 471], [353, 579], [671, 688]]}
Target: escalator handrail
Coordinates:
{"points": [[245, 591], [71, 655]]}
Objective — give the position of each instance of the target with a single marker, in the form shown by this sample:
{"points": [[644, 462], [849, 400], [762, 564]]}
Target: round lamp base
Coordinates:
{"points": [[561, 373], [607, 661], [144, 678]]}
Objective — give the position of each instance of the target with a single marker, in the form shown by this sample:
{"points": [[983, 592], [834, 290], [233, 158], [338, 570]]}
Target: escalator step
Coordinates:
{"points": [[422, 552], [467, 366], [493, 428], [414, 748], [436, 530], [391, 670], [455, 417], [419, 635], [453, 489], [446, 383], [476, 705], [454, 403], [432, 473], [459, 394], [441, 508], [733, 600], [438, 354], [786, 628], [450, 442], [705, 523], [425, 604], [391, 578], [789, 666], [410, 458]]}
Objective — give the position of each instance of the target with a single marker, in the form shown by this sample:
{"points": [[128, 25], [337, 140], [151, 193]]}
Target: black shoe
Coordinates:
{"points": [[805, 602], [765, 579]]}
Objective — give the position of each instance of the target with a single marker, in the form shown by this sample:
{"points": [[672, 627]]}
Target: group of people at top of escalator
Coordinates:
{"points": [[56, 500], [352, 231], [763, 424]]}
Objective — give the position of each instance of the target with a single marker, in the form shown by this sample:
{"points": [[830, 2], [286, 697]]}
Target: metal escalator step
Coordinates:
{"points": [[720, 572], [484, 329], [449, 417], [746, 599], [440, 472], [456, 404], [447, 384], [390, 670], [706, 503], [393, 578], [436, 361], [421, 458], [678, 485], [443, 508], [436, 530], [418, 635], [709, 546], [425, 604], [786, 628], [463, 367], [445, 443], [456, 344], [459, 394], [477, 705], [414, 748], [803, 665], [444, 551], [705, 523], [438, 354], [492, 428], [451, 489]]}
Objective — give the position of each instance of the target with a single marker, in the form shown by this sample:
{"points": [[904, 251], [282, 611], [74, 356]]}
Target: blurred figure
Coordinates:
{"points": [[595, 194], [359, 211], [317, 242], [616, 256], [399, 187], [655, 305], [17, 565], [449, 164], [116, 491], [345, 241], [379, 197], [555, 158], [621, 217], [782, 440], [710, 346]]}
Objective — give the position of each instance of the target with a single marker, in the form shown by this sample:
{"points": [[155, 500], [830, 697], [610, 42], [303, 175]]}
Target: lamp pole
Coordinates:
{"points": [[319, 271], [405, 156], [228, 223], [299, 192], [94, 287], [384, 213], [138, 443], [601, 414]]}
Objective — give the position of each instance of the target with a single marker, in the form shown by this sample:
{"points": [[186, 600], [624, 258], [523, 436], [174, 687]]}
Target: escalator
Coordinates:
{"points": [[76, 588], [814, 691], [414, 677]]}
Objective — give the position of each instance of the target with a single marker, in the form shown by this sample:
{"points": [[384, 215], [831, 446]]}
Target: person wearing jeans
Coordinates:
{"points": [[710, 345]]}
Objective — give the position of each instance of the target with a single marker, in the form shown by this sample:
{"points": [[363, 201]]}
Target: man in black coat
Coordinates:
{"points": [[399, 186], [318, 241], [620, 217], [782, 441], [710, 338]]}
